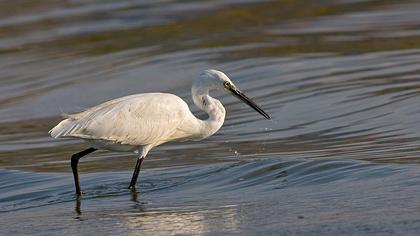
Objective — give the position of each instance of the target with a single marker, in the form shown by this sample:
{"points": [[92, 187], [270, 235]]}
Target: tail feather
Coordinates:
{"points": [[63, 128]]}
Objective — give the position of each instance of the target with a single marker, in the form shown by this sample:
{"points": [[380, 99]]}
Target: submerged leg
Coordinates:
{"points": [[136, 173], [74, 161]]}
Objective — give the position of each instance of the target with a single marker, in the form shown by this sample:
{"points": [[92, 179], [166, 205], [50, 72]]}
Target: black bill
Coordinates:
{"points": [[248, 101]]}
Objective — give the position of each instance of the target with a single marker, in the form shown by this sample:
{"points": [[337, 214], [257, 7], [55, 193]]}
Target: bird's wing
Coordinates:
{"points": [[135, 120]]}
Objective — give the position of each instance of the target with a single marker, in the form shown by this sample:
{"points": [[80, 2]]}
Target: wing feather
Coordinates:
{"points": [[140, 119]]}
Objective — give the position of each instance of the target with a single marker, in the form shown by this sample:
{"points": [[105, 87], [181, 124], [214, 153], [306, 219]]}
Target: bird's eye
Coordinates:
{"points": [[227, 84]]}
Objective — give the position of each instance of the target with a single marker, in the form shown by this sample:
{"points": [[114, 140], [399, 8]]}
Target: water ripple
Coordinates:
{"points": [[339, 79]]}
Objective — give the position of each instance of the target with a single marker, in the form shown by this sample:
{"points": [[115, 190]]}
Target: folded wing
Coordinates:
{"points": [[140, 119]]}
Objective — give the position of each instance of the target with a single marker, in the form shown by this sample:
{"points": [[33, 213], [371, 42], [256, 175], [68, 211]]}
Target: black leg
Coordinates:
{"points": [[136, 173], [77, 208], [74, 161]]}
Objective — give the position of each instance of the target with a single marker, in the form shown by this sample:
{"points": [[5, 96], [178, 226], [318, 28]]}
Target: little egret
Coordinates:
{"points": [[139, 122]]}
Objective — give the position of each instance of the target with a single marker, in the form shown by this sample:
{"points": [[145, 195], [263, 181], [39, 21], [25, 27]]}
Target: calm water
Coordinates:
{"points": [[341, 80]]}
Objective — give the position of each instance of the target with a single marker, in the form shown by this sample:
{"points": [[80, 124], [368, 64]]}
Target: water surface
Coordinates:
{"points": [[340, 80]]}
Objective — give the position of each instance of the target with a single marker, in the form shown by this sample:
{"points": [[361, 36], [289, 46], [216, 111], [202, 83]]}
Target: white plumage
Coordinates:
{"points": [[128, 123], [142, 121]]}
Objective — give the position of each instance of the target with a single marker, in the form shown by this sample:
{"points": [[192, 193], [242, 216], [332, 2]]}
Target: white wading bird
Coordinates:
{"points": [[142, 121]]}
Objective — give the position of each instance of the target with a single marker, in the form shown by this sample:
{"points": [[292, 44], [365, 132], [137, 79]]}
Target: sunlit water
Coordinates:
{"points": [[341, 80]]}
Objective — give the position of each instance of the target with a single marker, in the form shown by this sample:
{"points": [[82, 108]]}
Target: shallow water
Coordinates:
{"points": [[340, 80]]}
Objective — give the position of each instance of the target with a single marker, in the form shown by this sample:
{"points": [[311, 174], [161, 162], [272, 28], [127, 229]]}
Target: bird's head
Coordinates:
{"points": [[218, 80]]}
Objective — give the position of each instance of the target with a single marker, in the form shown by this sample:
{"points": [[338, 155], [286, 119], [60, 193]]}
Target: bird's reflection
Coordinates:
{"points": [[138, 205], [183, 220], [134, 195], [77, 207], [176, 220]]}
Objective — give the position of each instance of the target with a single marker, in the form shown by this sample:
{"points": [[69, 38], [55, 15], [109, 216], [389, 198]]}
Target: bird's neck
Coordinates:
{"points": [[212, 107]]}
